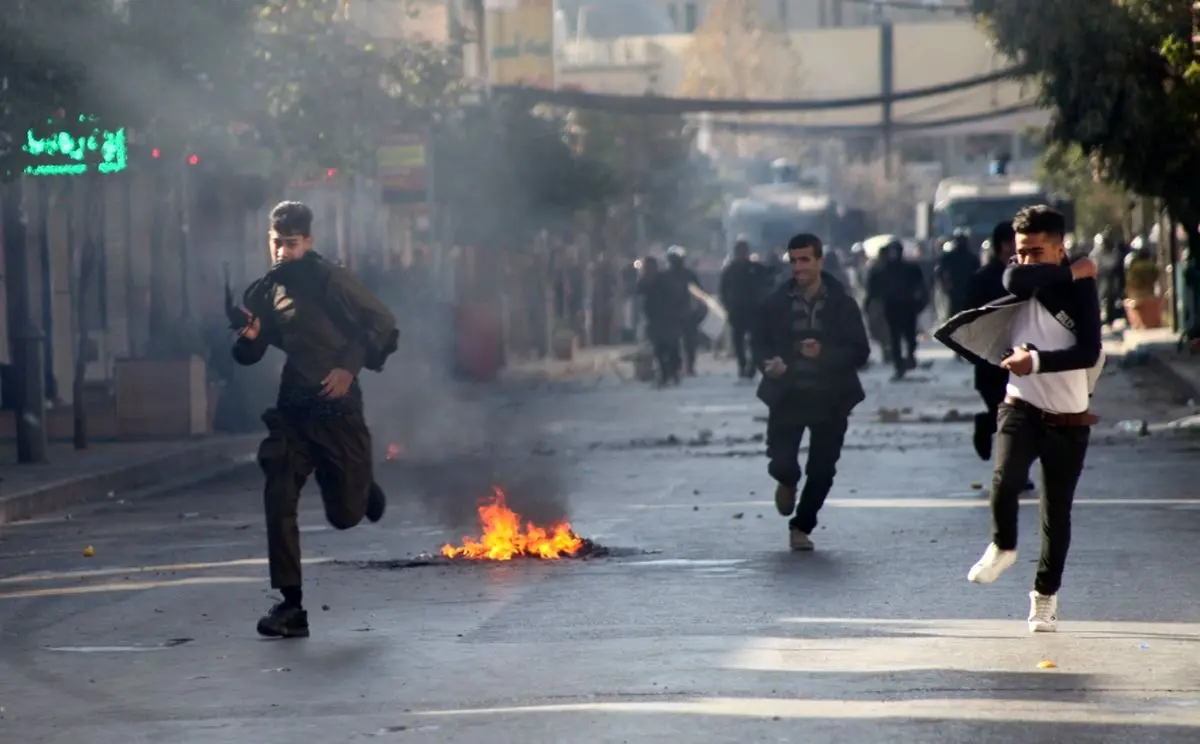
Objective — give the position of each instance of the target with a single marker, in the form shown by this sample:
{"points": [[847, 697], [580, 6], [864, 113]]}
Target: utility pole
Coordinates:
{"points": [[27, 360], [887, 59]]}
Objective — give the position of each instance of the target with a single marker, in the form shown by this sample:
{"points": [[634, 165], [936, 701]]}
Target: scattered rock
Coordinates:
{"points": [[739, 515]]}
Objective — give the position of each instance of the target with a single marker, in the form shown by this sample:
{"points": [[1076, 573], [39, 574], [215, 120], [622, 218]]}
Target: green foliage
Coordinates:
{"points": [[654, 157], [1123, 80], [42, 83], [511, 171], [1098, 203], [295, 74]]}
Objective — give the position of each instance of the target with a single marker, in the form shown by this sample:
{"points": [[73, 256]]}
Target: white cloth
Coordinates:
{"points": [[1054, 392]]}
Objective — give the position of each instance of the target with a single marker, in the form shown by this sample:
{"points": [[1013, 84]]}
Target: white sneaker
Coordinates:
{"points": [[993, 563], [1043, 613], [799, 542]]}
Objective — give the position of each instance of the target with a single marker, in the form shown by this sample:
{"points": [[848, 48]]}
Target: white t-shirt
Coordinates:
{"points": [[1054, 392]]}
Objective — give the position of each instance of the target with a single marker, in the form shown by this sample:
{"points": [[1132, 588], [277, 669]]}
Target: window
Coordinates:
{"points": [[689, 18]]}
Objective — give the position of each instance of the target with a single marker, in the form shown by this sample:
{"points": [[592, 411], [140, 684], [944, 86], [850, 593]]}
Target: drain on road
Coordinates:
{"points": [[592, 551]]}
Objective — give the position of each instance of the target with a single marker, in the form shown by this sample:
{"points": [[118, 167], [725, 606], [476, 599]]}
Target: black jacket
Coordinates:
{"points": [[987, 285], [983, 334], [296, 318], [843, 338], [743, 284]]}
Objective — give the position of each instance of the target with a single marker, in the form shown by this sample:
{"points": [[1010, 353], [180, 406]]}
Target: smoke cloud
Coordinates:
{"points": [[458, 441]]}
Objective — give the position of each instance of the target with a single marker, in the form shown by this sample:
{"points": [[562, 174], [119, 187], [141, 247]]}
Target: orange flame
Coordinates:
{"points": [[503, 539]]}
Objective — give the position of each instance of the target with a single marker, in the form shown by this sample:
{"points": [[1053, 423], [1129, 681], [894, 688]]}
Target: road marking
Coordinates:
{"points": [[168, 568], [979, 501], [1120, 713], [126, 586]]}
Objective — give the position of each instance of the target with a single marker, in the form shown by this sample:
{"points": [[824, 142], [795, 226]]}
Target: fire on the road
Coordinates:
{"points": [[503, 538]]}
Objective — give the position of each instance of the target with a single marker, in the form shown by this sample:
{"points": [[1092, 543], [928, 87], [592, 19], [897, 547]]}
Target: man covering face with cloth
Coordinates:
{"points": [[1046, 333]]}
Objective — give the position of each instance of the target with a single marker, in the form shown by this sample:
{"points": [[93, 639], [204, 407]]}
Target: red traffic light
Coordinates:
{"points": [[156, 153], [193, 160]]}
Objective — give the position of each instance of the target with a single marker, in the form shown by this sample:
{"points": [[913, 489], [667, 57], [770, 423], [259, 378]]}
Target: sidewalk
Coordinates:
{"points": [[595, 360], [108, 469], [1158, 348]]}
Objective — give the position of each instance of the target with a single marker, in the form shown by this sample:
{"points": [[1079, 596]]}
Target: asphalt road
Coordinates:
{"points": [[702, 627]]}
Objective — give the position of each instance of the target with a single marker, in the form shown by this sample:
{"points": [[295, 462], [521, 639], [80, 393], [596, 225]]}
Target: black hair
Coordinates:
{"points": [[806, 240], [292, 218], [1003, 234], [1040, 219]]}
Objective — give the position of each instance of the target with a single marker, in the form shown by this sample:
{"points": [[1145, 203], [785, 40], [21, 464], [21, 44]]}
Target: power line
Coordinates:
{"points": [[914, 5], [812, 130], [652, 105]]}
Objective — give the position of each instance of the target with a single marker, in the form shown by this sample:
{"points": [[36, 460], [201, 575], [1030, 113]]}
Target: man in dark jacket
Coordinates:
{"points": [[986, 286], [742, 287], [695, 310], [331, 328], [811, 340], [953, 272], [899, 286], [664, 305]]}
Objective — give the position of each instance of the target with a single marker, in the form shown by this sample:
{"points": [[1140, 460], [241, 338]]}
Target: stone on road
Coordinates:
{"points": [[707, 629]]}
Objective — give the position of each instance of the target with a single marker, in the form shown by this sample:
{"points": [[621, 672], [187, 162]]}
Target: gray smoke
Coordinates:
{"points": [[459, 441]]}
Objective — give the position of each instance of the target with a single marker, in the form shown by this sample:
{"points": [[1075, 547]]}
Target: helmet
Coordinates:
{"points": [[677, 250]]}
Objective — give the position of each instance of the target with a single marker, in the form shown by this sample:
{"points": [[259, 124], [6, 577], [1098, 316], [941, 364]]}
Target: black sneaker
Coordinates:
{"points": [[376, 503], [284, 621], [785, 499]]}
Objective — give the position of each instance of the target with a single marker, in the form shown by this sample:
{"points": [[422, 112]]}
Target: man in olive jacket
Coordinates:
{"points": [[331, 328], [811, 340]]}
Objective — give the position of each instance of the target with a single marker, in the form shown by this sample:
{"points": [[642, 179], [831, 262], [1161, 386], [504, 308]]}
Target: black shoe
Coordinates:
{"points": [[284, 621], [785, 499], [376, 503]]}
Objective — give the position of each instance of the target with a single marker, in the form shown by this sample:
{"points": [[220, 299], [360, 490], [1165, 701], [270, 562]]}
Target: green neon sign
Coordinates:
{"points": [[64, 153]]}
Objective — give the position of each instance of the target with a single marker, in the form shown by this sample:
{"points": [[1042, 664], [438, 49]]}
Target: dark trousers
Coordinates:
{"points": [[1022, 438], [691, 340], [902, 330], [785, 433], [991, 389], [739, 329], [338, 452], [666, 353]]}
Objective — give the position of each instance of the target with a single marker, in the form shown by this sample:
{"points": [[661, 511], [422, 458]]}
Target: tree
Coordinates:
{"points": [[1124, 83], [654, 158], [1098, 203], [737, 53]]}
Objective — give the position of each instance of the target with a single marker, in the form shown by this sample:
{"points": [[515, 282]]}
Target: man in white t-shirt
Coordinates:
{"points": [[1049, 328]]}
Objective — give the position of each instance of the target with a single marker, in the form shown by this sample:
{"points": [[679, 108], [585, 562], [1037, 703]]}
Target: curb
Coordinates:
{"points": [[1188, 389], [193, 465]]}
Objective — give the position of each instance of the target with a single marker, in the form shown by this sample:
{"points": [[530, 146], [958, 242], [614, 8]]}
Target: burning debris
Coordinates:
{"points": [[503, 538]]}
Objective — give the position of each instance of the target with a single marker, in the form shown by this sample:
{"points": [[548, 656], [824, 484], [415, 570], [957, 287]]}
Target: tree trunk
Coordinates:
{"points": [[82, 271]]}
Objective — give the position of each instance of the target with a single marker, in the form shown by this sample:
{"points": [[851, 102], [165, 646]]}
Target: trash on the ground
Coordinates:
{"points": [[1047, 664], [325, 608], [739, 515], [953, 415], [111, 494], [89, 551], [695, 508], [1144, 646], [279, 669], [977, 486], [1141, 427], [189, 515], [888, 415]]}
